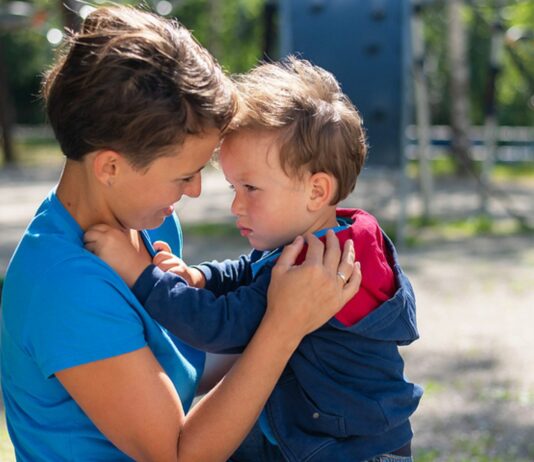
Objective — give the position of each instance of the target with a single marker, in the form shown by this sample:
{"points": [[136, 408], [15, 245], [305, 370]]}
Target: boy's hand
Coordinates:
{"points": [[165, 260], [115, 248]]}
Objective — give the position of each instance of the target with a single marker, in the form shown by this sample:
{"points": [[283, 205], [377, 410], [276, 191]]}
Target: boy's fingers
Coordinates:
{"points": [[161, 246], [95, 232], [332, 253], [162, 257], [101, 227], [90, 246], [290, 253], [91, 235]]}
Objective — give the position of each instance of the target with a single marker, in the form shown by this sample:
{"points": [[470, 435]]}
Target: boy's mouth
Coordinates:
{"points": [[245, 232]]}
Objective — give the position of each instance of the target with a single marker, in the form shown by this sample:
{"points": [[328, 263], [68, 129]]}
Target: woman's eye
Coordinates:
{"points": [[250, 188]]}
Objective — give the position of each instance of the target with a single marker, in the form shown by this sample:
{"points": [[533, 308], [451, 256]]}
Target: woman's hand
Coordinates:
{"points": [[304, 297], [137, 391], [300, 299]]}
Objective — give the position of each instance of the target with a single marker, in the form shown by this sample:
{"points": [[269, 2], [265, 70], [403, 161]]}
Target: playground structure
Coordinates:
{"points": [[376, 50]]}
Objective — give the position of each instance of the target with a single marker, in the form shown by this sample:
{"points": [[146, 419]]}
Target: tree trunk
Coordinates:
{"points": [[6, 112], [459, 88]]}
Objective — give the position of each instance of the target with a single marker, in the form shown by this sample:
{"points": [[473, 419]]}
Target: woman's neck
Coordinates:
{"points": [[81, 195]]}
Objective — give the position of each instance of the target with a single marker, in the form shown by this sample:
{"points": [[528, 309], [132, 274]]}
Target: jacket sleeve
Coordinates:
{"points": [[217, 324], [223, 277]]}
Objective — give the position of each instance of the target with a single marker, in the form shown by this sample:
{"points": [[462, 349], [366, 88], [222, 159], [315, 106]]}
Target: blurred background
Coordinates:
{"points": [[446, 90]]}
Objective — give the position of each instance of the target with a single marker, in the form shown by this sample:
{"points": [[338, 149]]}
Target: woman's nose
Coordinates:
{"points": [[194, 187]]}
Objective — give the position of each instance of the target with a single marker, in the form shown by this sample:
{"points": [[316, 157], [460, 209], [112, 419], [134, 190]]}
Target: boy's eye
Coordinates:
{"points": [[250, 188]]}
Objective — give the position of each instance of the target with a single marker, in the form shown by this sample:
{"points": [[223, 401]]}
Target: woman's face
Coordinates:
{"points": [[142, 199]]}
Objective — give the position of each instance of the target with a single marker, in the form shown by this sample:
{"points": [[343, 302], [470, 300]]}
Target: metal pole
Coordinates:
{"points": [[422, 111], [6, 112], [490, 123]]}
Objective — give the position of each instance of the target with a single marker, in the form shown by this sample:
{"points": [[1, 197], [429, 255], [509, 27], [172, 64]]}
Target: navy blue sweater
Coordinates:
{"points": [[343, 395]]}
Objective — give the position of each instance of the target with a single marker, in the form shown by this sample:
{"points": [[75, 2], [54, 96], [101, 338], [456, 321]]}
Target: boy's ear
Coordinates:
{"points": [[322, 188], [106, 165]]}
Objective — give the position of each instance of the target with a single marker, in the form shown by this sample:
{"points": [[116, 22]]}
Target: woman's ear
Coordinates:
{"points": [[106, 166], [322, 188]]}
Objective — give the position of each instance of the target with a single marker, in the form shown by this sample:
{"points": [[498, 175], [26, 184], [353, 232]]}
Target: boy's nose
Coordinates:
{"points": [[236, 206]]}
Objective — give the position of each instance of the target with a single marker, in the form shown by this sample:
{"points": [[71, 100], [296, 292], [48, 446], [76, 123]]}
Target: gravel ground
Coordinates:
{"points": [[475, 310]]}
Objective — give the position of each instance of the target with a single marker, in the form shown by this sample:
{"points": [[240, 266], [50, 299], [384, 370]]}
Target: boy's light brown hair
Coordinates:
{"points": [[319, 128], [136, 83]]}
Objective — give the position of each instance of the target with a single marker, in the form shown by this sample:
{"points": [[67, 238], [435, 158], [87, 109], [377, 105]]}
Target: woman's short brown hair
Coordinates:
{"points": [[136, 83], [319, 130]]}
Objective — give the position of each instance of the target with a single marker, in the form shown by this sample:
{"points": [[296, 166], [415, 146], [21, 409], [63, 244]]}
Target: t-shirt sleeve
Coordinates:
{"points": [[82, 316]]}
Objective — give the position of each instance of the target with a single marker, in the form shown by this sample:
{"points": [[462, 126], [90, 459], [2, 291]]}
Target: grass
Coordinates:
{"points": [[517, 171], [421, 229], [444, 167], [218, 230], [471, 448], [35, 152], [6, 448]]}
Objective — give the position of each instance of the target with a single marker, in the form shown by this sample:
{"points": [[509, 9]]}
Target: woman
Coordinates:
{"points": [[138, 108]]}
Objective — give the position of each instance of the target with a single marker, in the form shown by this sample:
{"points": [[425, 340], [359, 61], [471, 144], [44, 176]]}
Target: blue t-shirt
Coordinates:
{"points": [[63, 307]]}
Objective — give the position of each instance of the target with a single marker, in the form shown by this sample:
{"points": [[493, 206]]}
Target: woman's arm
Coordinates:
{"points": [[133, 402]]}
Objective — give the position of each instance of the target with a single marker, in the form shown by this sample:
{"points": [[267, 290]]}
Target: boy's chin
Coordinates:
{"points": [[263, 246]]}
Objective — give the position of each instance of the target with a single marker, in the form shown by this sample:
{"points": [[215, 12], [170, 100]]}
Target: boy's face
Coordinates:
{"points": [[271, 208]]}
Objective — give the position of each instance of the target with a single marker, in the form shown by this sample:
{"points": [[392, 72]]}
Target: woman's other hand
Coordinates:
{"points": [[304, 297]]}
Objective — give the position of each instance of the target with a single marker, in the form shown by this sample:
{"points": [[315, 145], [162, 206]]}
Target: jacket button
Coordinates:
{"points": [[316, 415]]}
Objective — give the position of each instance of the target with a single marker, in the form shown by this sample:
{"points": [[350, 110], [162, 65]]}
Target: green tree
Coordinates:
{"points": [[515, 103]]}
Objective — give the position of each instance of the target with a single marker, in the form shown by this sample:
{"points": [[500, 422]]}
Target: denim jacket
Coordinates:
{"points": [[343, 395]]}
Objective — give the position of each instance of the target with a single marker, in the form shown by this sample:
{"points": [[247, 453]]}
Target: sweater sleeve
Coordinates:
{"points": [[223, 277], [217, 324]]}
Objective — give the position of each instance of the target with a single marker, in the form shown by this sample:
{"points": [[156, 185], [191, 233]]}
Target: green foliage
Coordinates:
{"points": [[26, 55], [514, 86], [233, 31]]}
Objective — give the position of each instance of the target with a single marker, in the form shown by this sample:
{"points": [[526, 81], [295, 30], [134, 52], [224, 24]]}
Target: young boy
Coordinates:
{"points": [[292, 154]]}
